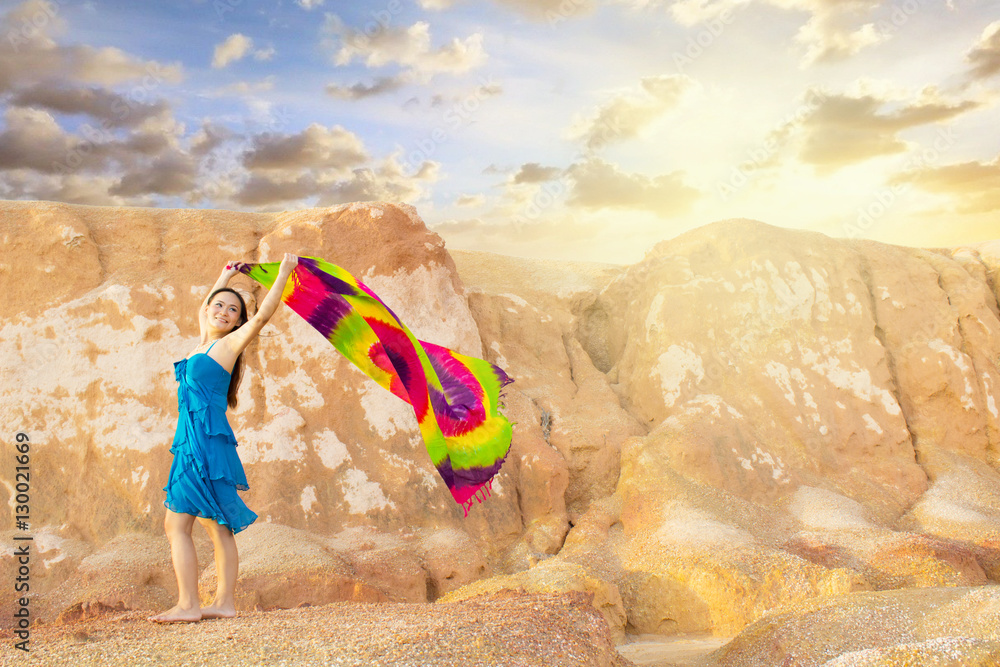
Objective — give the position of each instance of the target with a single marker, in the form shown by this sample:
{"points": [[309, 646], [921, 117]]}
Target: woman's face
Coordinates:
{"points": [[224, 311]]}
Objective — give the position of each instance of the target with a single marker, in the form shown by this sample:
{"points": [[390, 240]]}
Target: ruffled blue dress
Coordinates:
{"points": [[206, 471]]}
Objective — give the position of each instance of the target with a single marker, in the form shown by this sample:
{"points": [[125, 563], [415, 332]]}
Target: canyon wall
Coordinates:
{"points": [[749, 418]]}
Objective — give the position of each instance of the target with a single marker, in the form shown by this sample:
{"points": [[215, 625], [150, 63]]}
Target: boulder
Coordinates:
{"points": [[553, 576], [926, 626]]}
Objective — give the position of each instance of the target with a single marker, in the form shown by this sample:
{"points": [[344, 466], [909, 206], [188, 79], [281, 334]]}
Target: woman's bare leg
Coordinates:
{"points": [[178, 529], [227, 567]]}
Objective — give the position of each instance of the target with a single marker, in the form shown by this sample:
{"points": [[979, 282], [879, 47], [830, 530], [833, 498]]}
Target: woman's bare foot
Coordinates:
{"points": [[216, 610], [178, 614]]}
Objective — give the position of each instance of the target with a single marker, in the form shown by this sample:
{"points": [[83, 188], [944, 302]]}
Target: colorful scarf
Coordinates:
{"points": [[455, 397]]}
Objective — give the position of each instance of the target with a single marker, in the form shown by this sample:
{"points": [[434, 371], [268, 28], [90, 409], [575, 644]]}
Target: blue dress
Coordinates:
{"points": [[206, 471]]}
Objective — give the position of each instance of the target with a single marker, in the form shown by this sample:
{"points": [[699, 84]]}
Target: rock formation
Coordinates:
{"points": [[751, 419]]}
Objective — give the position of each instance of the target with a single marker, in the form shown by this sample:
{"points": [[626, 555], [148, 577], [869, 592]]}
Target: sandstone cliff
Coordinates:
{"points": [[749, 419]]}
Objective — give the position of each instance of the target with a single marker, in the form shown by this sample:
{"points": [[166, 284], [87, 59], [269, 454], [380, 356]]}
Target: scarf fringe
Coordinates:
{"points": [[486, 490]]}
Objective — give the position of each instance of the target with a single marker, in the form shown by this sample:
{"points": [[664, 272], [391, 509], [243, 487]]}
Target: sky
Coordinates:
{"points": [[560, 129]]}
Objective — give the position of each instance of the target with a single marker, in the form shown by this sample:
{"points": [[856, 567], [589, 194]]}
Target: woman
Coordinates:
{"points": [[206, 471]]}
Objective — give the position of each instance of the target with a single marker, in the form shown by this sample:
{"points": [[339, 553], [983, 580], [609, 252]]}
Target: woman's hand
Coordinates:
{"points": [[242, 336], [288, 264], [232, 268]]}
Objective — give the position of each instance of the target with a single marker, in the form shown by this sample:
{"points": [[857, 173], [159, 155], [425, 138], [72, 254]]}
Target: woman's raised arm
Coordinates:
{"points": [[240, 338]]}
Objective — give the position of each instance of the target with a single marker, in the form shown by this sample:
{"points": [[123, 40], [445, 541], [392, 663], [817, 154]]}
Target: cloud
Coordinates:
{"points": [[72, 188], [628, 113], [124, 149], [470, 201], [844, 130], [464, 103], [835, 29], [46, 161], [32, 139], [112, 109], [552, 10], [975, 186], [384, 182], [263, 190], [171, 173], [245, 87], [533, 172], [309, 5], [691, 12], [316, 147], [127, 148], [130, 154], [832, 131], [408, 47], [357, 91], [387, 182], [984, 56], [236, 47], [598, 184], [261, 55], [328, 165], [210, 137], [28, 57]]}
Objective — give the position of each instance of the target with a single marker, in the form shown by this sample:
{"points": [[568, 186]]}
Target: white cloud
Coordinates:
{"points": [[598, 184], [236, 47], [29, 55], [835, 29], [470, 201], [626, 114], [837, 130], [408, 47], [246, 87], [984, 56], [264, 54]]}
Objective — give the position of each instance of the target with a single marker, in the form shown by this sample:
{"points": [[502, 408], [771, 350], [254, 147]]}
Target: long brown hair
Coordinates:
{"points": [[237, 375]]}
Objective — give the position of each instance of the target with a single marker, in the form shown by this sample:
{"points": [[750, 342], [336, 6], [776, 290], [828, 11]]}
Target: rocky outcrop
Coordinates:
{"points": [[552, 576], [100, 302], [749, 420], [950, 626], [814, 417]]}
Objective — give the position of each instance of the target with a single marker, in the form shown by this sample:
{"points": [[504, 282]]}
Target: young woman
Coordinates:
{"points": [[206, 472]]}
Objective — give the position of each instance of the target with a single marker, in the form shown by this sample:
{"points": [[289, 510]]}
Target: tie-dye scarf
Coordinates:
{"points": [[455, 397]]}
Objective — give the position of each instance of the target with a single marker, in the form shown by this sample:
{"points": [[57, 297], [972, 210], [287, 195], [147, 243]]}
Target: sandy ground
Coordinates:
{"points": [[657, 651], [502, 629]]}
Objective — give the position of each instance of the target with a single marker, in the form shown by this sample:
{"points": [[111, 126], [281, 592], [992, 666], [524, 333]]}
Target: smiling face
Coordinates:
{"points": [[225, 311]]}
